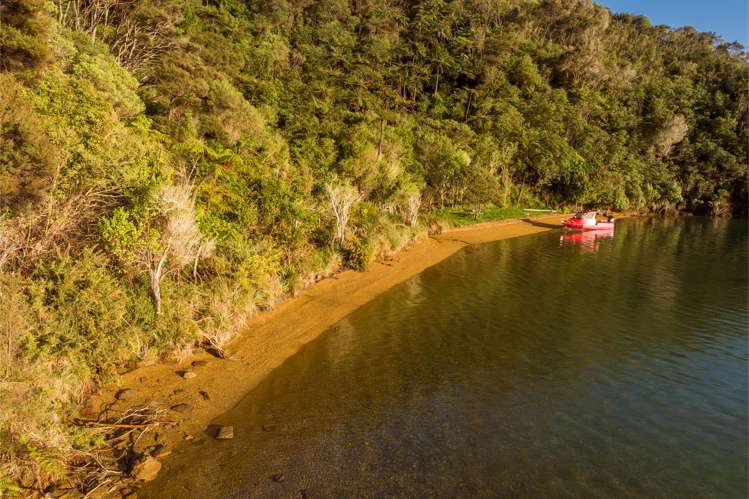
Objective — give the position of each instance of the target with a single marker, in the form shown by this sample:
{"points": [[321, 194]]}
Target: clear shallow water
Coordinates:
{"points": [[533, 367]]}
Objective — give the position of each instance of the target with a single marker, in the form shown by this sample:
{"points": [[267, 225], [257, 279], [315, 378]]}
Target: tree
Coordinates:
{"points": [[409, 202], [162, 240], [672, 133], [481, 188], [342, 196]]}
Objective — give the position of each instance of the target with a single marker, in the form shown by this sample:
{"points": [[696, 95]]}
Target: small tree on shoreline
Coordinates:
{"points": [[408, 205], [164, 239], [342, 196]]}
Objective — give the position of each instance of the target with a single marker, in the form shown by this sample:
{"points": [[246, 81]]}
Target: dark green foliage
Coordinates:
{"points": [[25, 28], [26, 155]]}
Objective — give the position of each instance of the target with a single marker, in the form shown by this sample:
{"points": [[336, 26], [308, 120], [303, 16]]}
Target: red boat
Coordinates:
{"points": [[586, 220]]}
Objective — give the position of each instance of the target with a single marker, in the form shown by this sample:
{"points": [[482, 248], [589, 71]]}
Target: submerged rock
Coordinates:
{"points": [[181, 407]]}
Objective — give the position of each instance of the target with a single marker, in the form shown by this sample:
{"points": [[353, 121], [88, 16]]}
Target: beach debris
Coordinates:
{"points": [[225, 433], [180, 407], [204, 394], [147, 469], [124, 394], [133, 419], [210, 345], [101, 471], [277, 477], [187, 374]]}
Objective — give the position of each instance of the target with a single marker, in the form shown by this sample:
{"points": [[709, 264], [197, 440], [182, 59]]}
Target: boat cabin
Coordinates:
{"points": [[588, 217]]}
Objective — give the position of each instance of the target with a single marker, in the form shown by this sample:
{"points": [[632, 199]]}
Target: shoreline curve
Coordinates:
{"points": [[270, 338]]}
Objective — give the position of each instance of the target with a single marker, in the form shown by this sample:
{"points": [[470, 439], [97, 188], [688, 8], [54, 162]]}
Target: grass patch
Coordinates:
{"points": [[460, 216]]}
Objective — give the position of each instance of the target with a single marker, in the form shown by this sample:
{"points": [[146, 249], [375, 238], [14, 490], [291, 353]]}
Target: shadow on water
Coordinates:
{"points": [[545, 225]]}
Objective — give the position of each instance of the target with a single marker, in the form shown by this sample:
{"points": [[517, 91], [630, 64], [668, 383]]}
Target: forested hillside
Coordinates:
{"points": [[168, 167]]}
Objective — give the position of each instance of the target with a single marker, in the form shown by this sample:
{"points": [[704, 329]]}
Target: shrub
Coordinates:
{"points": [[356, 253]]}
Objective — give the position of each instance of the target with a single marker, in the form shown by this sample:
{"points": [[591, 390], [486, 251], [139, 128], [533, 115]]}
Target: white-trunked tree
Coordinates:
{"points": [[342, 196]]}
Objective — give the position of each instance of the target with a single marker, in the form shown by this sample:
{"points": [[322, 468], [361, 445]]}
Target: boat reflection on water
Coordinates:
{"points": [[586, 239]]}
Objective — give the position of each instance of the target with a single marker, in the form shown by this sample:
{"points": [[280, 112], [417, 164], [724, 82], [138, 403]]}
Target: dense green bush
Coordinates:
{"points": [[356, 253]]}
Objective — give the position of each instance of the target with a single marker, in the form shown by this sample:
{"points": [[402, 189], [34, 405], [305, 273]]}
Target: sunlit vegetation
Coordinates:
{"points": [[169, 167]]}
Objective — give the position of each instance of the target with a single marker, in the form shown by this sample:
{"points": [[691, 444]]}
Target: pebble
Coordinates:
{"points": [[277, 477], [124, 394], [188, 374], [147, 470], [204, 394], [225, 433], [199, 363], [181, 407]]}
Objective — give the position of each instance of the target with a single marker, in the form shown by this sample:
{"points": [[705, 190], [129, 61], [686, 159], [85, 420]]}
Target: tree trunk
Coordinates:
{"points": [[379, 141], [156, 291], [156, 273]]}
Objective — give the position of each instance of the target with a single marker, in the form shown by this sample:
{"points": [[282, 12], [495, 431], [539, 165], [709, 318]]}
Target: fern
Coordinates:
{"points": [[49, 462], [8, 487]]}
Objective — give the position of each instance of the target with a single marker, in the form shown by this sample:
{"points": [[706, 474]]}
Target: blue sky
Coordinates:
{"points": [[728, 18]]}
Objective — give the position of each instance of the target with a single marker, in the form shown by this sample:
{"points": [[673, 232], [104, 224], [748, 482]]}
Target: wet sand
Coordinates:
{"points": [[272, 337]]}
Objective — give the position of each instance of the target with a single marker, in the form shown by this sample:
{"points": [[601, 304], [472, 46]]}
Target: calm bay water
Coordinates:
{"points": [[543, 366]]}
